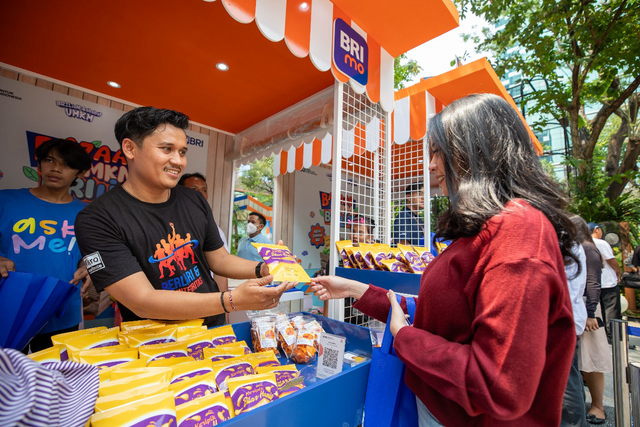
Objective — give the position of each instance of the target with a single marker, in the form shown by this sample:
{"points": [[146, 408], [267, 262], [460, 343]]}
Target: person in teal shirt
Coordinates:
{"points": [[255, 225]]}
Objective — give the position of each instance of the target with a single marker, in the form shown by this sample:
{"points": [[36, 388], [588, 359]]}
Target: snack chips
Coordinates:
{"points": [[193, 388], [107, 357], [222, 335], [103, 338], [159, 363], [197, 342], [105, 373], [209, 410], [134, 382], [59, 339], [425, 254], [265, 358], [284, 375], [282, 265], [231, 368], [346, 261], [412, 257], [189, 370], [152, 352], [119, 399], [48, 355], [252, 391], [158, 410], [304, 350]]}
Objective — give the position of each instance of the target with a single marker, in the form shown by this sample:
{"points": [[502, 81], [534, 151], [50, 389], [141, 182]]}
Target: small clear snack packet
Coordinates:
{"points": [[304, 350], [286, 335], [282, 264], [251, 392], [263, 333], [158, 410], [193, 388], [209, 410]]}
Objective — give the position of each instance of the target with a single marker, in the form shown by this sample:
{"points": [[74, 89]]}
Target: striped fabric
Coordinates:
{"points": [[50, 394]]}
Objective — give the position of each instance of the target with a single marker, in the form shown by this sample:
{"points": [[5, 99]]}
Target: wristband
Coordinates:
{"points": [[258, 267], [222, 301], [233, 307]]}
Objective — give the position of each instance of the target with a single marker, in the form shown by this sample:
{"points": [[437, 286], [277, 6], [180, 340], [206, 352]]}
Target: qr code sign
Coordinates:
{"points": [[330, 359], [331, 355]]}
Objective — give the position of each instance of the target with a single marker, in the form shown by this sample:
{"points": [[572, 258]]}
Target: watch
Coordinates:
{"points": [[258, 267]]}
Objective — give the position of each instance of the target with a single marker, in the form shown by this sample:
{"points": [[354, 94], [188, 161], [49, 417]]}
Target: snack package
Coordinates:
{"points": [[380, 253], [185, 323], [152, 352], [193, 388], [425, 254], [304, 350], [284, 375], [59, 339], [216, 354], [123, 373], [263, 333], [119, 399], [231, 368], [197, 342], [359, 253], [170, 362], [282, 265], [189, 370], [48, 355], [352, 257], [104, 338], [346, 261], [252, 391], [149, 336], [265, 358], [412, 257], [209, 410], [132, 383], [158, 410], [137, 324], [105, 373], [183, 333], [107, 357], [222, 335], [286, 335], [242, 344], [395, 266]]}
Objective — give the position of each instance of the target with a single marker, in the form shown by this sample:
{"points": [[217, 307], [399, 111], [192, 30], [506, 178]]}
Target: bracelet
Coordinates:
{"points": [[258, 267], [233, 307], [222, 301]]}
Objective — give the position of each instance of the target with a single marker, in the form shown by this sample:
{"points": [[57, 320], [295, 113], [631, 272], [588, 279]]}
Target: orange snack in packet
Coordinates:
{"points": [[119, 399], [48, 355], [263, 333], [189, 370], [158, 410], [286, 335], [163, 351], [284, 374], [209, 410], [193, 388], [304, 351], [282, 265], [231, 368], [222, 335], [252, 391]]}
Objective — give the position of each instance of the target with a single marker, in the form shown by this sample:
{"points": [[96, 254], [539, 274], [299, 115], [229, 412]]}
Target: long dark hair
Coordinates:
{"points": [[489, 160], [583, 234]]}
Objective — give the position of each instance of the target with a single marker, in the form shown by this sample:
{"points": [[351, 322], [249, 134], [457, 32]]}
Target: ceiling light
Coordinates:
{"points": [[209, 1], [304, 6], [114, 84], [222, 66]]}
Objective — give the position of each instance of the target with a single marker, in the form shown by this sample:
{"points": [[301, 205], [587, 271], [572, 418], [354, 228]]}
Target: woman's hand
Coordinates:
{"points": [[398, 318], [254, 295], [334, 287], [592, 325]]}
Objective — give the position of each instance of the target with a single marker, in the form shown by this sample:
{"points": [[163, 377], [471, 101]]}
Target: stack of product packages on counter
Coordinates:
{"points": [[403, 259], [180, 373]]}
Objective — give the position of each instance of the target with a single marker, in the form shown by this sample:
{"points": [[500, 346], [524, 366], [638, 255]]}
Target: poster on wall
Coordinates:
{"points": [[32, 115]]}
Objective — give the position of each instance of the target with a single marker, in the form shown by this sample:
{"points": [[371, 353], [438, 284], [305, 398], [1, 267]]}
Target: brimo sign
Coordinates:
{"points": [[350, 52]]}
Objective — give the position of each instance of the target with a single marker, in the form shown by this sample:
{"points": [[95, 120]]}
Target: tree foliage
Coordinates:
{"points": [[582, 62], [257, 180], [404, 70]]}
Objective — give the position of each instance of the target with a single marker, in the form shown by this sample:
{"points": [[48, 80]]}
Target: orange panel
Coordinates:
{"points": [[418, 116], [316, 158], [363, 166], [299, 157], [284, 157], [337, 13], [360, 141], [373, 86], [297, 28], [245, 10]]}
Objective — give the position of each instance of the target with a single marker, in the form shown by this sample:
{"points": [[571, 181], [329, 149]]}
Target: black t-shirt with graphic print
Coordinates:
{"points": [[120, 235]]}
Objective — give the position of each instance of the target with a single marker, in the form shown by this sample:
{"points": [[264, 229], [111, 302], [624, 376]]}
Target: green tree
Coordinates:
{"points": [[257, 180], [404, 70], [585, 55]]}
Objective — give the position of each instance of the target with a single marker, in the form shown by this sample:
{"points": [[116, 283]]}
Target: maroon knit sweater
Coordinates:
{"points": [[493, 335]]}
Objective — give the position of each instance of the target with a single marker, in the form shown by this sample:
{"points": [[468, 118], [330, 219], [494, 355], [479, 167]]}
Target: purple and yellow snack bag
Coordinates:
{"points": [[104, 338], [222, 335], [346, 261], [123, 373], [105, 373], [252, 391], [59, 339], [197, 342], [160, 335], [231, 368], [205, 411], [183, 333], [412, 257], [132, 383], [282, 265], [137, 324], [395, 266], [242, 344], [284, 374], [380, 253], [170, 363], [425, 254], [193, 388], [107, 357], [189, 370], [223, 352], [48, 355], [119, 399], [265, 358], [163, 351], [158, 410], [185, 323], [359, 253]]}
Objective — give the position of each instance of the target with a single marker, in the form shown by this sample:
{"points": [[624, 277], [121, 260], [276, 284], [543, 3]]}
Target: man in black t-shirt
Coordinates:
{"points": [[151, 244]]}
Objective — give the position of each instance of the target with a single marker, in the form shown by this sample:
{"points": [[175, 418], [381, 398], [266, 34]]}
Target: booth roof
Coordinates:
{"points": [[164, 53]]}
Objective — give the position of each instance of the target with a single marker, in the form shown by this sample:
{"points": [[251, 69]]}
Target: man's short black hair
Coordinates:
{"points": [[139, 123], [69, 151], [261, 217], [186, 176], [412, 188]]}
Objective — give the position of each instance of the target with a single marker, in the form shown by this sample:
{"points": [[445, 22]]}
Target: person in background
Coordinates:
{"points": [[151, 243], [408, 228], [362, 229], [594, 354], [493, 334], [197, 181], [255, 224], [610, 293], [37, 230]]}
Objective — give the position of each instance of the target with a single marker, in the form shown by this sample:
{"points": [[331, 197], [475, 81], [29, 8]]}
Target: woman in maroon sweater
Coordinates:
{"points": [[493, 335]]}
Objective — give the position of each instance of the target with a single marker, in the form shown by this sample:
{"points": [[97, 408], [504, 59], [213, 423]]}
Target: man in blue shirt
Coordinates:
{"points": [[37, 229], [408, 228], [255, 225]]}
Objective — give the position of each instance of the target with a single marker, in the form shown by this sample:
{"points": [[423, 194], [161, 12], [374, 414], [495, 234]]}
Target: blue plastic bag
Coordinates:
{"points": [[389, 402]]}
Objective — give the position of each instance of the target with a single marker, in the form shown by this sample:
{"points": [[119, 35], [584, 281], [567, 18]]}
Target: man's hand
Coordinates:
{"points": [[592, 325], [82, 275], [254, 295], [6, 265]]}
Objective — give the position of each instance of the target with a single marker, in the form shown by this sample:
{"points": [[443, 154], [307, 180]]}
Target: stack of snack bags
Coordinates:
{"points": [[403, 259], [164, 372]]}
